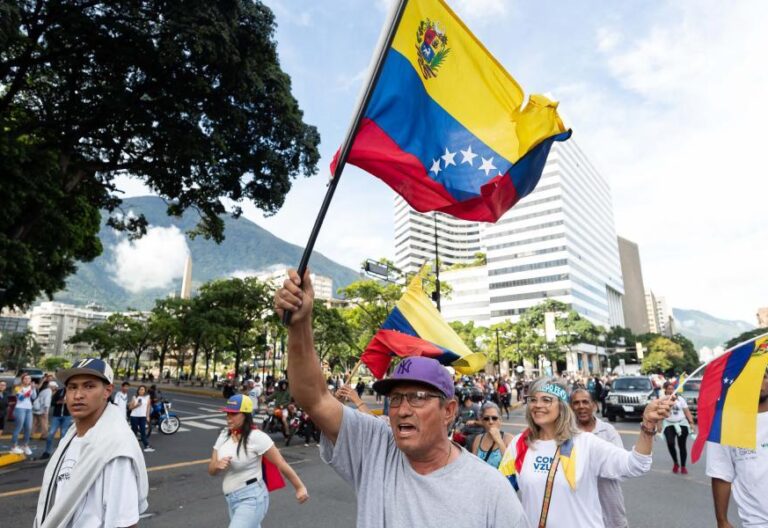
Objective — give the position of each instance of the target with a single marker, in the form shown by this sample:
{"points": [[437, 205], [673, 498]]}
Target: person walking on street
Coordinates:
{"points": [[120, 399], [407, 473], [238, 453], [3, 405], [743, 472], [675, 429], [609, 490], [504, 396], [491, 445], [41, 407], [552, 443], [96, 477], [140, 409], [22, 415], [60, 420]]}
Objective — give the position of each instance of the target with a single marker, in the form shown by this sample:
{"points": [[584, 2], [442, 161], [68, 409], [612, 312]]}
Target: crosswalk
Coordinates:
{"points": [[209, 421]]}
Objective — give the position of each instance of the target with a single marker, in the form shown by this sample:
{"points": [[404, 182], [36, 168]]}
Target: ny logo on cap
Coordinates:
{"points": [[404, 367]]}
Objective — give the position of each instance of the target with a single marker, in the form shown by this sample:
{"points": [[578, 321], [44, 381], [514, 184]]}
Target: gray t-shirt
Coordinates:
{"points": [[611, 496], [466, 492]]}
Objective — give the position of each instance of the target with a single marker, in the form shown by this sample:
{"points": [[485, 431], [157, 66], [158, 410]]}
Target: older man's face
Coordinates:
{"points": [[419, 430]]}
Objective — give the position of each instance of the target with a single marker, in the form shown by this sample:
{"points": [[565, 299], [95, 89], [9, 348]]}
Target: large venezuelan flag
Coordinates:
{"points": [[728, 399], [416, 328], [446, 127]]}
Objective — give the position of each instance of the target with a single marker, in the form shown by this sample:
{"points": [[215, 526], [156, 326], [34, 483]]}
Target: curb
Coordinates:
{"points": [[6, 459]]}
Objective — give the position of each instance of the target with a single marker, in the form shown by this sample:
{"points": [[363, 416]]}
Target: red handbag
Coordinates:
{"points": [[271, 475]]}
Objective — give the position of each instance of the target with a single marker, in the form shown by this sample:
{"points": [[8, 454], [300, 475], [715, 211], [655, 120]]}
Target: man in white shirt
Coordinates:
{"points": [[96, 477], [743, 470], [121, 398], [610, 493]]}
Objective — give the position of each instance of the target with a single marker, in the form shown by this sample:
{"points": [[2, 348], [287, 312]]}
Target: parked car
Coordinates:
{"points": [[628, 397], [691, 394]]}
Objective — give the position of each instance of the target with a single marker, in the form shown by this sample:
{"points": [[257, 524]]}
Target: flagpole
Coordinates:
{"points": [[384, 46]]}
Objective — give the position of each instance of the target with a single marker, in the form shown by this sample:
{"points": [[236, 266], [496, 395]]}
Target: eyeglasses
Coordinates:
{"points": [[490, 418], [544, 401], [415, 399]]}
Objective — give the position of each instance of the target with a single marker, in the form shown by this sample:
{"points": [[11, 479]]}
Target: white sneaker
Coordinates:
{"points": [[27, 451], [149, 450], [17, 450]]}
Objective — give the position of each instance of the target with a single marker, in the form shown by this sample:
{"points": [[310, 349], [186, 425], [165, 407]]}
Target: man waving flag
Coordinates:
{"points": [[446, 126]]}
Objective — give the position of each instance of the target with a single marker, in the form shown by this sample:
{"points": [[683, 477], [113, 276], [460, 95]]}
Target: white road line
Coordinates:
{"points": [[200, 425], [220, 421], [183, 430], [209, 409]]}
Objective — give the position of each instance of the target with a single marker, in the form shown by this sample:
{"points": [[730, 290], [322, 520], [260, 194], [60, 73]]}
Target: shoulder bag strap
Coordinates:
{"points": [[548, 489]]}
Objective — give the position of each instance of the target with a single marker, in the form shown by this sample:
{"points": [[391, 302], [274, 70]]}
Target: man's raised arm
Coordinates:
{"points": [[305, 375]]}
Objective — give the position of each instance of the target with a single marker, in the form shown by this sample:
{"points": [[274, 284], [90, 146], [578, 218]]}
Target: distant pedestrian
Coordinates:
{"points": [[120, 399], [96, 477], [360, 388], [22, 415], [491, 445], [238, 453], [60, 420], [676, 428], [41, 407], [3, 405], [140, 409]]}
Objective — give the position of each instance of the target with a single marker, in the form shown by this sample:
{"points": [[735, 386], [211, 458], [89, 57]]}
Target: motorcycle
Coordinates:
{"points": [[161, 416], [273, 423]]}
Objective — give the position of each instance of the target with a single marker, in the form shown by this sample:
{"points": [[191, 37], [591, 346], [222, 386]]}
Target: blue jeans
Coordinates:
{"points": [[248, 506], [139, 425], [23, 419], [61, 423]]}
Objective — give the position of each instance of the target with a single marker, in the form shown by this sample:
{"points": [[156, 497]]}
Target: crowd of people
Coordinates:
{"points": [[436, 456]]}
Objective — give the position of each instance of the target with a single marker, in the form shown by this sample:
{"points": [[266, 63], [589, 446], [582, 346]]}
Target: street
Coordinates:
{"points": [[183, 494]]}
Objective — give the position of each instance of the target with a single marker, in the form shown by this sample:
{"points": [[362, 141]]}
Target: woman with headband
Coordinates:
{"points": [[555, 466]]}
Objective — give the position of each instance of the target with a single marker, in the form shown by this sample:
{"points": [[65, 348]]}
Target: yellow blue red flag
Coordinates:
{"points": [[729, 397], [447, 127]]}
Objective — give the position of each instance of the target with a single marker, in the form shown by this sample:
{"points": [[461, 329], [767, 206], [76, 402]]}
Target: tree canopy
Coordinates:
{"points": [[187, 97]]}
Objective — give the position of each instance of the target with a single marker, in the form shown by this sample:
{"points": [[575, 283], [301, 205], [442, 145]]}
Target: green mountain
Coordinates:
{"points": [[246, 248], [706, 330]]}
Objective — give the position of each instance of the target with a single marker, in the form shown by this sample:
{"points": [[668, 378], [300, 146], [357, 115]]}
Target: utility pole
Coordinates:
{"points": [[436, 294], [498, 352]]}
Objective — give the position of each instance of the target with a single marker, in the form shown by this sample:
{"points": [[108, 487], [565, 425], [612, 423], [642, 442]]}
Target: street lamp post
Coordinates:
{"points": [[498, 352]]}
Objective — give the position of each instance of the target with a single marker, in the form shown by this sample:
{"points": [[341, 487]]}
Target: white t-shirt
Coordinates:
{"points": [[244, 465], [112, 501], [594, 458], [141, 410], [257, 389], [28, 394], [676, 414], [121, 400], [747, 470]]}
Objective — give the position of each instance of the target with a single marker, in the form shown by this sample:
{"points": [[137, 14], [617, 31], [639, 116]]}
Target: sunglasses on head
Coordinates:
{"points": [[490, 418]]}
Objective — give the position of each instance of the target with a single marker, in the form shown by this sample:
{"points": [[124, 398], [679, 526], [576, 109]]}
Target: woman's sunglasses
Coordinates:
{"points": [[490, 418]]}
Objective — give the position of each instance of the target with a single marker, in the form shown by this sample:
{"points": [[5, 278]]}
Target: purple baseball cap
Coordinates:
{"points": [[418, 369]]}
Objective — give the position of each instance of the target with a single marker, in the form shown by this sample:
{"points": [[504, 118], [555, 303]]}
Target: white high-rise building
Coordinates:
{"points": [[53, 323], [660, 319], [559, 242], [322, 285], [457, 240]]}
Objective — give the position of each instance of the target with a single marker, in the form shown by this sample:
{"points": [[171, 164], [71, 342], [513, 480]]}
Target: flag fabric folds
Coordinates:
{"points": [[446, 126], [415, 328], [728, 399]]}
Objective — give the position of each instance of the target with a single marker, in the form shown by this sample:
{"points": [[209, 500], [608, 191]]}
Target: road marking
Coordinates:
{"points": [[198, 462], [183, 430], [209, 409], [196, 403], [200, 425], [220, 421]]}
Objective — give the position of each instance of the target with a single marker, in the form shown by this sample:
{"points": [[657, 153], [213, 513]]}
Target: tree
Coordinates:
{"points": [[101, 337], [18, 348], [52, 364], [663, 356], [189, 98], [164, 327], [334, 337], [744, 336]]}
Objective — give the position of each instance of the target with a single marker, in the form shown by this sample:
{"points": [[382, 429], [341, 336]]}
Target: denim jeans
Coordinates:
{"points": [[61, 423], [248, 506], [139, 424], [23, 419]]}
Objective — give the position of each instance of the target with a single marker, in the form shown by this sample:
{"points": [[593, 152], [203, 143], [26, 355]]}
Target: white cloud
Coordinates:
{"points": [[680, 140], [253, 272], [481, 10], [153, 261]]}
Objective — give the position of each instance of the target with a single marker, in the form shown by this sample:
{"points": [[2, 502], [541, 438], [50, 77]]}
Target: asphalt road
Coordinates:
{"points": [[182, 494]]}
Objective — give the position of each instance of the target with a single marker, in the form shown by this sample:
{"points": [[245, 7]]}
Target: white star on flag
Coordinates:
{"points": [[469, 156], [487, 165], [435, 166], [448, 157]]}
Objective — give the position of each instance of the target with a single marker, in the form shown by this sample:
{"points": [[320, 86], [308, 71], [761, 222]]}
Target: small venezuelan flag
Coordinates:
{"points": [[446, 127], [728, 399], [416, 328]]}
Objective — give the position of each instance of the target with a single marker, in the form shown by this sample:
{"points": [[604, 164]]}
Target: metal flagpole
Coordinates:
{"points": [[347, 145]]}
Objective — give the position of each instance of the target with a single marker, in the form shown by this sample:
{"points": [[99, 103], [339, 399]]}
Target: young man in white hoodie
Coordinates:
{"points": [[96, 477]]}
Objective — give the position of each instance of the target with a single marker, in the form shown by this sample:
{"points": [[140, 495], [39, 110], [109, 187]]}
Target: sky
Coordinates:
{"points": [[666, 98]]}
